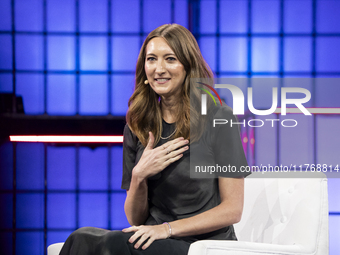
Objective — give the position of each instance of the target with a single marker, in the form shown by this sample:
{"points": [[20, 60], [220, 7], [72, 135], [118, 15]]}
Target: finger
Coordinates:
{"points": [[151, 141], [130, 229], [141, 240], [175, 153], [171, 160], [173, 145], [148, 243], [168, 143], [135, 236], [176, 145]]}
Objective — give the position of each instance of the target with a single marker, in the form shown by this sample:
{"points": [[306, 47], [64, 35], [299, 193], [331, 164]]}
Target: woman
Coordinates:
{"points": [[167, 209]]}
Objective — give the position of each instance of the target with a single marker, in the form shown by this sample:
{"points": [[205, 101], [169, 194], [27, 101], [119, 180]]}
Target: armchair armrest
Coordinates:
{"points": [[216, 247], [54, 249]]}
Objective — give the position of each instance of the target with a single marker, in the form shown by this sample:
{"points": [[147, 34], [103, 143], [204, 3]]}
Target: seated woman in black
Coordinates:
{"points": [[167, 209]]}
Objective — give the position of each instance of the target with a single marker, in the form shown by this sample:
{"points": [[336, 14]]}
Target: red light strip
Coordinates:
{"points": [[312, 110], [119, 138], [66, 138]]}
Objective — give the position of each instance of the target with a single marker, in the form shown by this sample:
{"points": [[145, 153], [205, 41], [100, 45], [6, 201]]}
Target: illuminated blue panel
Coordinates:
{"points": [[116, 166], [93, 15], [5, 14], [208, 16], [208, 49], [6, 82], [265, 16], [297, 54], [66, 216], [328, 18], [61, 173], [118, 216], [233, 16], [5, 52], [60, 15], [61, 95], [6, 238], [265, 54], [333, 194], [154, 16], [93, 53], [328, 140], [334, 233], [93, 168], [57, 236], [296, 144], [125, 50], [122, 89], [305, 83], [30, 242], [328, 54], [30, 166], [29, 15], [61, 53], [6, 205], [234, 54], [30, 211], [262, 92], [265, 142], [121, 22], [240, 82], [93, 210], [31, 88], [6, 166], [181, 12], [327, 92], [298, 16], [93, 95], [29, 52]]}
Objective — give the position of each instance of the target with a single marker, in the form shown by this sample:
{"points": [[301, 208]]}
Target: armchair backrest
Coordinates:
{"points": [[287, 209]]}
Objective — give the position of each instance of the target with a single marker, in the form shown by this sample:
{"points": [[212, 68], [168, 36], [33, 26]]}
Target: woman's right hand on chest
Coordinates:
{"points": [[154, 160]]}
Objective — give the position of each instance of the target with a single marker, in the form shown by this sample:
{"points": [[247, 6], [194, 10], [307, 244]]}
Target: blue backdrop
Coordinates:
{"points": [[78, 57]]}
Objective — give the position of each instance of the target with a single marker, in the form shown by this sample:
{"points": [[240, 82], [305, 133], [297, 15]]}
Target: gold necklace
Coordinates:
{"points": [[169, 135]]}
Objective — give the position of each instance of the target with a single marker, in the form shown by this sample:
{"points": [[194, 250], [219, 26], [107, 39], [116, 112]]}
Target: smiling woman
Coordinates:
{"points": [[167, 209], [170, 52], [165, 73]]}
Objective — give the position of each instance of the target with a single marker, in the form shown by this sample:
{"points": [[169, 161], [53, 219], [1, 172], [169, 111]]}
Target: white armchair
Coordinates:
{"points": [[280, 216], [54, 249]]}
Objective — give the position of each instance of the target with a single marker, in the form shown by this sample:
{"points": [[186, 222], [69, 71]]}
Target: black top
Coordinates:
{"points": [[172, 193]]}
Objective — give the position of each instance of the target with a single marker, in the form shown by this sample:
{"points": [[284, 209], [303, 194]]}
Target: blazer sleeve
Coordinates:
{"points": [[227, 144], [129, 156]]}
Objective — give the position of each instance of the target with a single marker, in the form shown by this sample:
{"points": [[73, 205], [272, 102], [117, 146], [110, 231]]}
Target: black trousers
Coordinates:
{"points": [[96, 241]]}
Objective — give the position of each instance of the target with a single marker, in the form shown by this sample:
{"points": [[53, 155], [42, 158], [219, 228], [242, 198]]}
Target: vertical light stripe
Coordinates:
{"points": [[204, 104]]}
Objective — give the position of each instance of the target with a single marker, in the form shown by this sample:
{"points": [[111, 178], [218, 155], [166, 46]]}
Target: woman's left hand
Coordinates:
{"points": [[149, 233]]}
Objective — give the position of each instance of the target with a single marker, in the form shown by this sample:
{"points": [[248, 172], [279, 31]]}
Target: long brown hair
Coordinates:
{"points": [[144, 113]]}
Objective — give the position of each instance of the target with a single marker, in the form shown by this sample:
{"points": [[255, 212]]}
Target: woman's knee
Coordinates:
{"points": [[82, 230], [117, 236], [85, 233], [116, 242], [77, 242]]}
